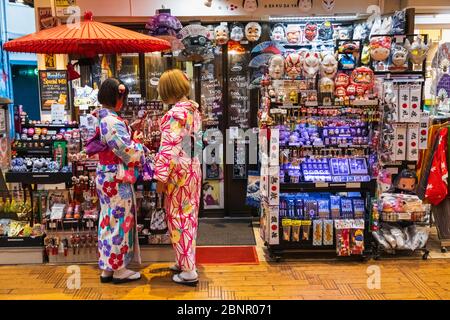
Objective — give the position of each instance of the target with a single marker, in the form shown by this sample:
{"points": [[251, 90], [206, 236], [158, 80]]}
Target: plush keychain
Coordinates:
{"points": [[253, 31], [293, 65], [293, 34], [311, 31], [276, 67], [237, 32], [326, 31], [221, 34], [278, 33], [328, 66], [311, 64]]}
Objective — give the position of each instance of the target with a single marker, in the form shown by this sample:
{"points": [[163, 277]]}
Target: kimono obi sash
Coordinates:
{"points": [[108, 158]]}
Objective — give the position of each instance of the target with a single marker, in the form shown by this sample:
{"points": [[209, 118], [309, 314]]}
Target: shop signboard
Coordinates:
{"points": [[53, 88]]}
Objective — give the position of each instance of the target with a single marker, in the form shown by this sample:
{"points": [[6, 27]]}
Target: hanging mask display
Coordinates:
{"points": [[399, 57], [276, 67], [328, 5], [361, 32], [293, 65], [365, 55], [418, 51], [311, 64], [237, 32], [250, 5], [311, 31], [278, 33], [221, 34], [399, 22], [328, 66], [304, 5], [326, 31], [293, 34], [380, 50], [376, 27], [347, 61], [345, 33], [253, 31]]}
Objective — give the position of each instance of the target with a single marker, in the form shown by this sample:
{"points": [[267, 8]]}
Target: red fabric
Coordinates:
{"points": [[88, 39], [437, 188], [108, 158], [227, 255]]}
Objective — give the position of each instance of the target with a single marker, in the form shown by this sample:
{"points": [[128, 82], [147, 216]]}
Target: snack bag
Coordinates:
{"points": [[328, 232], [317, 232], [286, 225], [306, 229], [342, 242], [295, 229], [357, 241]]}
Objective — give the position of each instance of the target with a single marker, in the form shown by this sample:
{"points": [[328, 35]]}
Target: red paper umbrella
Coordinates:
{"points": [[88, 38]]}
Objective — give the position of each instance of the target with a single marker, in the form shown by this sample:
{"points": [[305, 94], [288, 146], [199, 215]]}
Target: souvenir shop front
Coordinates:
{"points": [[333, 94]]}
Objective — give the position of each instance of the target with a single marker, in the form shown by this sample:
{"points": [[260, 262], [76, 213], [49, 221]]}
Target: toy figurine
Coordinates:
{"points": [[253, 31], [293, 65], [272, 94], [293, 34], [278, 33], [364, 80], [311, 31], [418, 51], [221, 34], [328, 66], [405, 182], [237, 32], [342, 80], [311, 64], [276, 67]]}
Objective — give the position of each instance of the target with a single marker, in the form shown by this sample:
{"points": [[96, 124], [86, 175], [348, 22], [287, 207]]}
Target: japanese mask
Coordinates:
{"points": [[311, 31], [328, 5], [250, 5], [326, 31], [345, 33], [329, 66], [221, 34], [418, 50], [311, 64], [342, 80], [276, 67], [364, 77], [278, 33], [361, 32], [237, 32], [304, 5], [399, 55], [293, 34], [253, 31], [293, 65], [380, 48]]}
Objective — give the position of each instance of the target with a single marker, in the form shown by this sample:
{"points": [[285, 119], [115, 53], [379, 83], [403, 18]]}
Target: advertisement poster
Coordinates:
{"points": [[213, 194], [45, 18], [53, 88]]}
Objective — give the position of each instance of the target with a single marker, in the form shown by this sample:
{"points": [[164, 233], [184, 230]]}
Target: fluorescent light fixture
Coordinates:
{"points": [[442, 18], [317, 18]]}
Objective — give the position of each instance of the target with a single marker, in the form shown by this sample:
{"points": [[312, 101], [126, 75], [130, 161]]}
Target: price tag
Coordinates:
{"points": [[353, 185], [404, 216], [322, 185], [84, 107]]}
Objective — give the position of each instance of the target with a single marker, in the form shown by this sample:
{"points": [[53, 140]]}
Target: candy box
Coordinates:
{"points": [[359, 208], [327, 232], [317, 232], [310, 209]]}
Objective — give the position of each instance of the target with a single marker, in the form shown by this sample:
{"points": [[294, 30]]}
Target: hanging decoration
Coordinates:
{"points": [[237, 32], [221, 34], [253, 31], [328, 5]]}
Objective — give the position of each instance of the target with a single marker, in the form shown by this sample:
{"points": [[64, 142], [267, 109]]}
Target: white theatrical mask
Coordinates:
{"points": [[237, 33], [328, 66], [311, 64], [253, 31], [221, 34], [276, 67], [250, 5]]}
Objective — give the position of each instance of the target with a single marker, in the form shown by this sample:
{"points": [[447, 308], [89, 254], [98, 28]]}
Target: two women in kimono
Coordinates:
{"points": [[177, 170]]}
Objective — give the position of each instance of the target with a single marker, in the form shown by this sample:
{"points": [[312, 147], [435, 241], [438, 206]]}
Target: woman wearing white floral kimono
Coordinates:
{"points": [[116, 173]]}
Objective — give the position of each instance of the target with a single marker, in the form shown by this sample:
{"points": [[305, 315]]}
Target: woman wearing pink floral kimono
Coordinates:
{"points": [[178, 171], [117, 171]]}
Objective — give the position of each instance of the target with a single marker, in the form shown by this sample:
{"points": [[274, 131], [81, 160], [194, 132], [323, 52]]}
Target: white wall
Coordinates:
{"points": [[19, 19]]}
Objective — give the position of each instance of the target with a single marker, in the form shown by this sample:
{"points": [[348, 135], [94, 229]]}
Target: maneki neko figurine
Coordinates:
{"points": [[380, 50], [418, 51], [293, 65]]}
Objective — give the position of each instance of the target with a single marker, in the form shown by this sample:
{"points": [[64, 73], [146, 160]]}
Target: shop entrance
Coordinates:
{"points": [[25, 88]]}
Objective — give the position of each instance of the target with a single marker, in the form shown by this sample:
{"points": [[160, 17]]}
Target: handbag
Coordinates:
{"points": [[95, 144]]}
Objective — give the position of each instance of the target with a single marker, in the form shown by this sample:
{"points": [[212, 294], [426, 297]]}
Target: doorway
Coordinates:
{"points": [[26, 89]]}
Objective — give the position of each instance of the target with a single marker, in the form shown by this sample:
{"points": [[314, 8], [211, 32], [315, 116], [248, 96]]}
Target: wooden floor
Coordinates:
{"points": [[404, 279]]}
